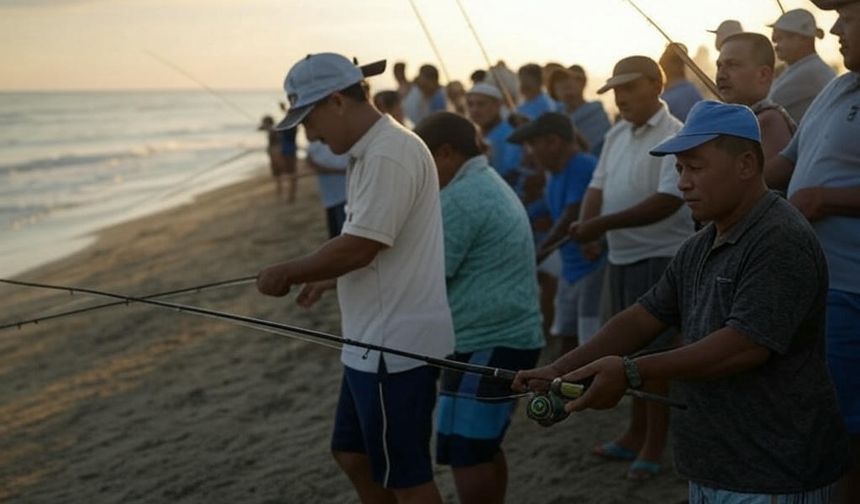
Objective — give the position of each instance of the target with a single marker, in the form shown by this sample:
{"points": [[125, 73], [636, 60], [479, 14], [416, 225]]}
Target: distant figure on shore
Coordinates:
{"points": [[456, 94], [403, 84], [679, 93], [492, 290], [744, 75], [279, 162], [388, 265], [794, 36], [484, 103], [726, 29], [389, 102], [478, 76], [535, 100], [331, 176], [567, 88], [425, 96], [289, 149]]}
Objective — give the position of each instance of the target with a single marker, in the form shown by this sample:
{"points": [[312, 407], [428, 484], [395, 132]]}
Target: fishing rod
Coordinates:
{"points": [[159, 295], [202, 84], [559, 391], [491, 372], [430, 39], [781, 8], [712, 87], [509, 100]]}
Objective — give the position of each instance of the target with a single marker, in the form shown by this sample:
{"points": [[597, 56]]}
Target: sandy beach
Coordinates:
{"points": [[141, 404]]}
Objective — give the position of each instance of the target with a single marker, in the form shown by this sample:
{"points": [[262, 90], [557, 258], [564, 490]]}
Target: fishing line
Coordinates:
{"points": [[196, 289], [430, 39], [508, 98], [333, 341], [712, 87], [202, 84], [502, 374]]}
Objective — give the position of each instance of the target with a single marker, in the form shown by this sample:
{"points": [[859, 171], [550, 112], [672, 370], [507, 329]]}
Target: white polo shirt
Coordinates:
{"points": [[399, 300], [627, 174]]}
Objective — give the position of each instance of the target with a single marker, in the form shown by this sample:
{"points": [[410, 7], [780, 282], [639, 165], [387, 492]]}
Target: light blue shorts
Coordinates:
{"points": [[700, 494], [843, 353]]}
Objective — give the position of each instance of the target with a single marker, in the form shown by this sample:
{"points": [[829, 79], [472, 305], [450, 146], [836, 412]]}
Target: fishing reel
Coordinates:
{"points": [[547, 408]]}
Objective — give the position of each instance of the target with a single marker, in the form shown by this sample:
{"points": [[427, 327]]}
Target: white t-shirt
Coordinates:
{"points": [[628, 174], [399, 300]]}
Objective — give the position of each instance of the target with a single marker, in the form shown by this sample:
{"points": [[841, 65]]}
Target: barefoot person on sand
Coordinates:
{"points": [[748, 293], [389, 267]]}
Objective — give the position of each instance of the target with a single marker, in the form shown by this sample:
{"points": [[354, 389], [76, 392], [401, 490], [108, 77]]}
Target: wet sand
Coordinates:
{"points": [[141, 404]]}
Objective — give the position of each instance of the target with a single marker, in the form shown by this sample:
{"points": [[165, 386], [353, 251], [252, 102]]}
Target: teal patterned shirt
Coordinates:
{"points": [[489, 262]]}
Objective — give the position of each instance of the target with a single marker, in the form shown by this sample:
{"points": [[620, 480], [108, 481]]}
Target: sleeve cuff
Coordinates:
{"points": [[370, 234]]}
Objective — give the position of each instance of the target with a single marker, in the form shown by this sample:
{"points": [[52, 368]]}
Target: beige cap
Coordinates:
{"points": [[631, 68], [726, 29], [799, 21]]}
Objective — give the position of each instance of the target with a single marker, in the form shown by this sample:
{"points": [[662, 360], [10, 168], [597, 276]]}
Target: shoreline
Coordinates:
{"points": [[140, 404]]}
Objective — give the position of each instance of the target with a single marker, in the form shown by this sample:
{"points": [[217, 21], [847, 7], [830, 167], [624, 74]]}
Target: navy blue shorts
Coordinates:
{"points": [[470, 425], [388, 417]]}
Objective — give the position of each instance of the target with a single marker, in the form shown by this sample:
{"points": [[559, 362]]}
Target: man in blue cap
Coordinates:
{"points": [[389, 265], [822, 163], [748, 294]]}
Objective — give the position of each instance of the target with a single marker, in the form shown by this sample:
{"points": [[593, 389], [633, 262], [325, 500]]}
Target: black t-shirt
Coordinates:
{"points": [[775, 428]]}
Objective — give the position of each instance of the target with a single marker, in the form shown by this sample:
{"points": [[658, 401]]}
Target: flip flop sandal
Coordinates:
{"points": [[614, 451], [641, 470]]}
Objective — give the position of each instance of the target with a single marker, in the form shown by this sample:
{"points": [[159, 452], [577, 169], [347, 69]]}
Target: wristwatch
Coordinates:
{"points": [[632, 373]]}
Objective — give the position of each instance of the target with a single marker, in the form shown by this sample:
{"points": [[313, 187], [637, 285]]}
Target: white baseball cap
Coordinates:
{"points": [[799, 21], [317, 76], [726, 29], [484, 89]]}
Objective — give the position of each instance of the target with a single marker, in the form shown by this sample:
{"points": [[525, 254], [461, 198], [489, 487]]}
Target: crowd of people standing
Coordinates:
{"points": [[707, 249]]}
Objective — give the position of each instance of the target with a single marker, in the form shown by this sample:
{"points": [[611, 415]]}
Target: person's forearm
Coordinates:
{"points": [[722, 353], [559, 228], [624, 334], [591, 205], [335, 258], [650, 210], [844, 201], [777, 172]]}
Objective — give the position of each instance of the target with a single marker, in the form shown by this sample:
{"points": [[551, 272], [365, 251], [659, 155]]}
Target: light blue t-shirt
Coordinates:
{"points": [[826, 152], [332, 186], [489, 262], [680, 98], [537, 106], [562, 190], [504, 156], [591, 121]]}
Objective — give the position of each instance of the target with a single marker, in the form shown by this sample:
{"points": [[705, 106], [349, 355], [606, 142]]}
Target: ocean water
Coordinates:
{"points": [[73, 163]]}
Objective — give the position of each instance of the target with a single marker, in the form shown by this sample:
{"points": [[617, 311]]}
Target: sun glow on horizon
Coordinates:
{"points": [[106, 44]]}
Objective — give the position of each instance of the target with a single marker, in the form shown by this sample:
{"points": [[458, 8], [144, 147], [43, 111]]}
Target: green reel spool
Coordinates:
{"points": [[546, 409]]}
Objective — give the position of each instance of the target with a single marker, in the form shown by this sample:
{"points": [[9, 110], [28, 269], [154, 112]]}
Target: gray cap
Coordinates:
{"points": [[317, 76], [726, 29], [631, 68], [799, 21]]}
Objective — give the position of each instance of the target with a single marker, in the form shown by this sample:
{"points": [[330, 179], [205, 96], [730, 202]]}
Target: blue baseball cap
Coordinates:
{"points": [[706, 121], [317, 76]]}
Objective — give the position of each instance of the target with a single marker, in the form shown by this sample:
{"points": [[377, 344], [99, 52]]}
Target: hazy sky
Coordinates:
{"points": [[229, 44]]}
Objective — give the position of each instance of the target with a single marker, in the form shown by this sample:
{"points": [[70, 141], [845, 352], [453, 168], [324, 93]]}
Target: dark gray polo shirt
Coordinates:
{"points": [[775, 428]]}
